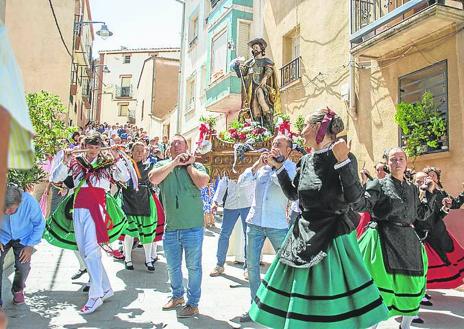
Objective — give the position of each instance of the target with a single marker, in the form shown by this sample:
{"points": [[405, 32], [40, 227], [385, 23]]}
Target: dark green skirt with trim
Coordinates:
{"points": [[59, 230], [336, 293], [143, 227], [401, 293]]}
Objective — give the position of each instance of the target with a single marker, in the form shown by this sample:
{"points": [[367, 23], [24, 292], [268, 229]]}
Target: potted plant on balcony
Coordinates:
{"points": [[422, 125]]}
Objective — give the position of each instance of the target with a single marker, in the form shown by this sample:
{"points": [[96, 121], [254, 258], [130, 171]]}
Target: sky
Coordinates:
{"points": [[137, 23]]}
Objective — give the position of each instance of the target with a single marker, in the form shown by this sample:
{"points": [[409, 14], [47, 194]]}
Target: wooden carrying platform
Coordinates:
{"points": [[220, 159]]}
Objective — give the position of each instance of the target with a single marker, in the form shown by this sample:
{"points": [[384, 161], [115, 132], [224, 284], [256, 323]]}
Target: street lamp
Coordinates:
{"points": [[103, 33]]}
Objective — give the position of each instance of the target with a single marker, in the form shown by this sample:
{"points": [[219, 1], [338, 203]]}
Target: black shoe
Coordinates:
{"points": [[129, 266], [150, 267], [428, 296], [426, 303], [418, 320], [245, 318], [79, 274], [154, 260], [86, 289]]}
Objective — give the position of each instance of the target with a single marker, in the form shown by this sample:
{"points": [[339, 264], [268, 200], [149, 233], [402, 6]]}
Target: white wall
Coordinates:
{"points": [[194, 58]]}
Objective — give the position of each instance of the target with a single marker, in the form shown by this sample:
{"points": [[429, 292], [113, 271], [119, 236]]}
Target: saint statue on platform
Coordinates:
{"points": [[260, 90]]}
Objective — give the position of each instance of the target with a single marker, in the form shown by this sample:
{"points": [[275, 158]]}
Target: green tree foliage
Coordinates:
{"points": [[422, 124], [51, 134]]}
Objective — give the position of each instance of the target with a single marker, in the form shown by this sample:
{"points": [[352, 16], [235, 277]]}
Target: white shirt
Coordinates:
{"points": [[239, 195], [120, 174], [270, 203]]}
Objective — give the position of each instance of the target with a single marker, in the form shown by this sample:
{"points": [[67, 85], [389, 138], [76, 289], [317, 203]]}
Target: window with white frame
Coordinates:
{"points": [[193, 30], [191, 93], [243, 37], [203, 79], [296, 46], [123, 109], [218, 55]]}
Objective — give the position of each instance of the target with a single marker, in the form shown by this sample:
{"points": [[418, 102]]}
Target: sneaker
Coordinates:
{"points": [[173, 303], [154, 260], [86, 288], [107, 294], [18, 297], [91, 305], [417, 320], [188, 311], [217, 271], [79, 274], [129, 266], [245, 318], [150, 267], [427, 296]]}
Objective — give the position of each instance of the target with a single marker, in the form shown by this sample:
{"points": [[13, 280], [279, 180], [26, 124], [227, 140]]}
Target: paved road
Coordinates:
{"points": [[53, 299]]}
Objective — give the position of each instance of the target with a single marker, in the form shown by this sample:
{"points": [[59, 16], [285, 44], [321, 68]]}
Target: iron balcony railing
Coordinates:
{"points": [[290, 72], [125, 91], [370, 17]]}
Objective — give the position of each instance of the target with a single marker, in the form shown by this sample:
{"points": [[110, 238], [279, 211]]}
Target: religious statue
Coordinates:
{"points": [[260, 90]]}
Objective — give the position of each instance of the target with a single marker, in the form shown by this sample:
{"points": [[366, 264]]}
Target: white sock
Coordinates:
{"points": [[147, 247], [406, 321], [128, 243], [154, 251]]}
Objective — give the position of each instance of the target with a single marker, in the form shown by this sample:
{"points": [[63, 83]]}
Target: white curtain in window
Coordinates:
{"points": [[219, 53]]}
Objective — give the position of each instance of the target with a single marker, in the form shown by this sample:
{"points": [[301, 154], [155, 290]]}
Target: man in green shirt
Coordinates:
{"points": [[180, 180]]}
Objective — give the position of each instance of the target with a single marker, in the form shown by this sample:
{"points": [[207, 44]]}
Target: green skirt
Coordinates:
{"points": [[59, 230], [401, 293], [143, 227], [336, 293]]}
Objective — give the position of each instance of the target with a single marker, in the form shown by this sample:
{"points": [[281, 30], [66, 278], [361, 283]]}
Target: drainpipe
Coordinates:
{"points": [[352, 101], [181, 69], [352, 108]]}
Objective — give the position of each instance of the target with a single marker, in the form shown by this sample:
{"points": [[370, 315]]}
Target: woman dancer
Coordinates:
{"points": [[140, 208], [446, 255], [395, 204], [318, 279]]}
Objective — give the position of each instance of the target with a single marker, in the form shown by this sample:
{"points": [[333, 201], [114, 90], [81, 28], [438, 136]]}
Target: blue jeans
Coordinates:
{"points": [[174, 243], [228, 223], [255, 240]]}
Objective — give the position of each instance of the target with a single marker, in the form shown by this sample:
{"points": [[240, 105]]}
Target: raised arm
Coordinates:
{"points": [[199, 177], [121, 172], [159, 173], [289, 187], [371, 196], [351, 186], [60, 169]]}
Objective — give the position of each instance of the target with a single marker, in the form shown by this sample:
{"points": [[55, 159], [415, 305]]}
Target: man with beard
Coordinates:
{"points": [[260, 90]]}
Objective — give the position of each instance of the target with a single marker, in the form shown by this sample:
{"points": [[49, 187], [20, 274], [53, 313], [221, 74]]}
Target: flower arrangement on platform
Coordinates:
{"points": [[249, 131], [283, 126]]}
